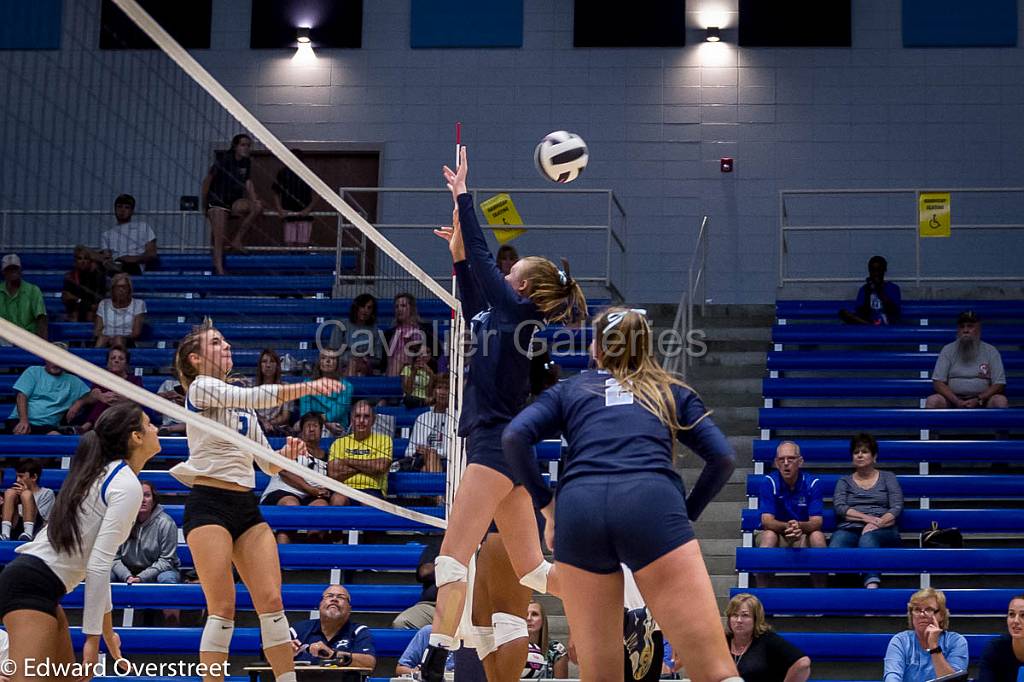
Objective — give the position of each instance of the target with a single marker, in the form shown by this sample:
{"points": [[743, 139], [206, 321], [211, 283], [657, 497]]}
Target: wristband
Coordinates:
{"points": [[936, 650]]}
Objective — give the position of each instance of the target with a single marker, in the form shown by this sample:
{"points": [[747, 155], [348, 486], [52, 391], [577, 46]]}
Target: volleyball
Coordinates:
{"points": [[561, 156]]}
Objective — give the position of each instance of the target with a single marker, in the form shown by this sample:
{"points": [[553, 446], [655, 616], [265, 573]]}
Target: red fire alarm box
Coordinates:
{"points": [[726, 164]]}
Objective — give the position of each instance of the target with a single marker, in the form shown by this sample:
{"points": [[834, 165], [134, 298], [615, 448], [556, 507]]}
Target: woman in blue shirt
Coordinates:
{"points": [[928, 649], [621, 501]]}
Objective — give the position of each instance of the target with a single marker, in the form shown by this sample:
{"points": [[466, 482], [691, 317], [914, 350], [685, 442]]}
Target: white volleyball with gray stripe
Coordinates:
{"points": [[561, 156]]}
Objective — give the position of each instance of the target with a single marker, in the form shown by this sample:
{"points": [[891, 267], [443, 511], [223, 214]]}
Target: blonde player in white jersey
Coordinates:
{"points": [[223, 524], [91, 518]]}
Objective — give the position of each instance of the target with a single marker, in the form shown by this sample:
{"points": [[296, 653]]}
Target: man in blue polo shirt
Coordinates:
{"points": [[791, 506], [333, 638]]}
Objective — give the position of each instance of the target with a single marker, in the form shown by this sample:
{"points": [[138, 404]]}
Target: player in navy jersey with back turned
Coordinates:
{"points": [[620, 500]]}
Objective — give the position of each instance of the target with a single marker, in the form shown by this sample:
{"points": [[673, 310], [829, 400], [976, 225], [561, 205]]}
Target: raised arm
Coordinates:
{"points": [[208, 392], [541, 419]]}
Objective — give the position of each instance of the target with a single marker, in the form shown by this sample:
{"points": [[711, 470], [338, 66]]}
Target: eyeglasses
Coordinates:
{"points": [[917, 611], [339, 597], [786, 460]]}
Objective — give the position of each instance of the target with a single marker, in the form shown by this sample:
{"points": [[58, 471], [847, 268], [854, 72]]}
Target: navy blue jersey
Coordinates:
{"points": [[498, 377], [610, 433], [352, 637]]}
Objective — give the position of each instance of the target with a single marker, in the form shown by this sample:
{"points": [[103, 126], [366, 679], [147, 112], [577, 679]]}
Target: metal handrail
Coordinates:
{"points": [[683, 323], [896, 227]]}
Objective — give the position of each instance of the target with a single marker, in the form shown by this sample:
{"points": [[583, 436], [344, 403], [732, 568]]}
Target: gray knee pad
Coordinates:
{"points": [[274, 629], [537, 579], [217, 635]]}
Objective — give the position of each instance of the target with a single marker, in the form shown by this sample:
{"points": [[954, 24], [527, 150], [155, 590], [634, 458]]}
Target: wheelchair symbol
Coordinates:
{"points": [[934, 222]]}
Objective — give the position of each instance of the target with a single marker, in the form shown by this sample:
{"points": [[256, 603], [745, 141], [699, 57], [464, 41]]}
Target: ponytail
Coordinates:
{"points": [[106, 443], [558, 296], [192, 342]]}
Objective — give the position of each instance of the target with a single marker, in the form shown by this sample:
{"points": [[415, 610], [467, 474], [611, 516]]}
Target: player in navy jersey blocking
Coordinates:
{"points": [[504, 312], [91, 518], [223, 525], [621, 501]]}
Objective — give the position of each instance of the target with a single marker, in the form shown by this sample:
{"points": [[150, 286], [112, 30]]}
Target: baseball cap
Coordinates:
{"points": [[968, 317], [9, 260]]}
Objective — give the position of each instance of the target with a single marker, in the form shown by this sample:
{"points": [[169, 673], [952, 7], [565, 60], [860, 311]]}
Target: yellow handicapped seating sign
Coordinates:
{"points": [[499, 210], [933, 214]]}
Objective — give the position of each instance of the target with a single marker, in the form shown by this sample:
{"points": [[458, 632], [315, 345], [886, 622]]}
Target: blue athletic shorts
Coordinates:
{"points": [[483, 446], [634, 519]]}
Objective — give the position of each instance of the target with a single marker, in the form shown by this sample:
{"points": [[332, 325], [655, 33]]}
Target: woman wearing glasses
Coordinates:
{"points": [[928, 649]]}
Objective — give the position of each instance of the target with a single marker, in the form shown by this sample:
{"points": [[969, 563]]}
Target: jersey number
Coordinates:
{"points": [[614, 394], [243, 424]]}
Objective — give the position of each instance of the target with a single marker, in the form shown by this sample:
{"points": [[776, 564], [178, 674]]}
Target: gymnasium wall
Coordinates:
{"points": [[876, 115]]}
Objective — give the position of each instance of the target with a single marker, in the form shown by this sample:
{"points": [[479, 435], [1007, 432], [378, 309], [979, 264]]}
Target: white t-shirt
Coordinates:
{"points": [[106, 516], [234, 407], [431, 430], [166, 387], [129, 239], [307, 461], [118, 321], [44, 499]]}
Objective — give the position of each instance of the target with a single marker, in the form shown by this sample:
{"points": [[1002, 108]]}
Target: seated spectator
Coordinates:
{"points": [[1003, 659], [228, 190], [334, 407], [760, 654], [428, 442], [969, 372], [26, 502], [867, 503], [361, 459], [929, 649], [790, 502], [100, 398], [506, 258], [46, 397], [119, 319], [5, 650], [409, 661], [21, 302], [273, 420], [357, 339], [407, 334], [150, 554], [556, 657], [84, 288], [288, 490], [416, 379], [129, 246], [421, 614], [293, 201], [878, 301], [333, 637], [171, 389]]}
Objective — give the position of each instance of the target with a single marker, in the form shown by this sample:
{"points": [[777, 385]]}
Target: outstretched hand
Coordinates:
{"points": [[453, 235], [456, 179]]}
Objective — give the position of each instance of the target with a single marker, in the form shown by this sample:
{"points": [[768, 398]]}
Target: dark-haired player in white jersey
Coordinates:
{"points": [[91, 519], [620, 500]]}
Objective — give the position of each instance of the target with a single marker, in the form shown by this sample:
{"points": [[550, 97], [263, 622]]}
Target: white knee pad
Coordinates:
{"points": [[733, 679], [507, 628], [274, 629], [449, 570], [479, 638], [537, 579], [217, 635]]}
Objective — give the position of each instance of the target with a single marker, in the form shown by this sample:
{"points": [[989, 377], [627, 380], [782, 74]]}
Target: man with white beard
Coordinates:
{"points": [[969, 372]]}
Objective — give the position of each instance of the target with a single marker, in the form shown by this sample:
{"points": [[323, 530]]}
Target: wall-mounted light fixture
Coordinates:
{"points": [[713, 34], [302, 35]]}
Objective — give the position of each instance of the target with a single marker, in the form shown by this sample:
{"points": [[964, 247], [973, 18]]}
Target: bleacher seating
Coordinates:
{"points": [[838, 450], [875, 419], [200, 262], [856, 646], [900, 560], [858, 389], [861, 361], [331, 518], [1002, 487], [814, 334], [795, 601], [210, 284], [917, 520], [911, 310]]}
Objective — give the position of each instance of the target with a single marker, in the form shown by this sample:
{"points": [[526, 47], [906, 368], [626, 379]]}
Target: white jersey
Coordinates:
{"points": [[105, 517], [234, 407]]}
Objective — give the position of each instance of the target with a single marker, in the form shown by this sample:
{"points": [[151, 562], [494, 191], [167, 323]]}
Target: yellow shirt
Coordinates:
{"points": [[376, 446]]}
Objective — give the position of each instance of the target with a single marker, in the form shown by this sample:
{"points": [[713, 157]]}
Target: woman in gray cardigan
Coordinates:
{"points": [[867, 503]]}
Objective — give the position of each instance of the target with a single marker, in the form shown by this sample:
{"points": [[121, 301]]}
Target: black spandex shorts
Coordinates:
{"points": [[483, 446], [274, 497], [231, 509], [28, 583]]}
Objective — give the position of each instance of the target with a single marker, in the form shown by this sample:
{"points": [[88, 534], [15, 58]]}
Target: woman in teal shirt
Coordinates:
{"points": [[335, 407]]}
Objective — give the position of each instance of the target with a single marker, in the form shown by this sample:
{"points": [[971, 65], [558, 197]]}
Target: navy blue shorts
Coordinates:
{"points": [[483, 446], [633, 519]]}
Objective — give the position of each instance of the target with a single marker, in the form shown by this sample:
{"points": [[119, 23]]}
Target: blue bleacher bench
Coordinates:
{"points": [[836, 450], [209, 284], [825, 334], [244, 641], [1001, 486], [896, 561], [296, 597], [177, 447], [850, 646], [172, 262], [859, 389], [917, 520], [331, 518], [782, 361], [944, 310], [860, 602], [867, 418], [312, 557]]}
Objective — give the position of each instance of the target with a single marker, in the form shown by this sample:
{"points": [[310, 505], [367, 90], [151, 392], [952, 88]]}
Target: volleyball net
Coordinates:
{"points": [[111, 148]]}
